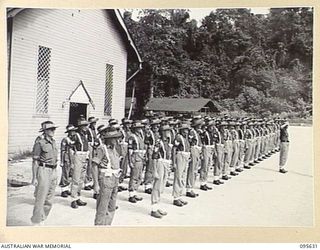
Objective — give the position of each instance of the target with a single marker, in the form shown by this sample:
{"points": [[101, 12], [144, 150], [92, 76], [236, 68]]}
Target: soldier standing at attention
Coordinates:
{"points": [[44, 173], [207, 152], [81, 158], [235, 149], [125, 130], [248, 145], [217, 134], [227, 153], [92, 137], [151, 136], [284, 146], [67, 160], [106, 168], [161, 165], [239, 127], [196, 148], [181, 158], [137, 154]]}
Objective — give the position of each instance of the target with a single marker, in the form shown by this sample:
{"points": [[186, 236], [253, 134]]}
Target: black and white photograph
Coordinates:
{"points": [[160, 117]]}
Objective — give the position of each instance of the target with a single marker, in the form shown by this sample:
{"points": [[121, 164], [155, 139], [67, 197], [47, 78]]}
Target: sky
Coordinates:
{"points": [[199, 13]]}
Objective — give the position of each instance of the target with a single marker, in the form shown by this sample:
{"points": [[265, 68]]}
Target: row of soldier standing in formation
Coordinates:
{"points": [[147, 152]]}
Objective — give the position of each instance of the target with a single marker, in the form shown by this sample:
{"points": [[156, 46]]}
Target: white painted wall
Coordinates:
{"points": [[82, 42]]}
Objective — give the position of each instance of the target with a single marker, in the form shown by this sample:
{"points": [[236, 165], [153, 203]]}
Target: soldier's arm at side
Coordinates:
{"points": [[35, 162]]}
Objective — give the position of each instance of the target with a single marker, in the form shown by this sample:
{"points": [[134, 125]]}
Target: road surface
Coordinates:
{"points": [[260, 196]]}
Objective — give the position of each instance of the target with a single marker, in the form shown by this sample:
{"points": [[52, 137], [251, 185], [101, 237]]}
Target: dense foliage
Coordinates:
{"points": [[249, 63]]}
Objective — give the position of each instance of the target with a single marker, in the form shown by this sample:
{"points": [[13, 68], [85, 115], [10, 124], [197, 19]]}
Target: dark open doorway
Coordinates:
{"points": [[77, 110]]}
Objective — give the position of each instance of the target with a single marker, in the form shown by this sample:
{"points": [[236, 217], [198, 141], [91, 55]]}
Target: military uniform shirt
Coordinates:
{"points": [[45, 151], [284, 135], [81, 141], [107, 157], [181, 143]]}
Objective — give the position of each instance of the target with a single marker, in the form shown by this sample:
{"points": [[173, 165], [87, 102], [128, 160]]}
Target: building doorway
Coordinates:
{"points": [[76, 111]]}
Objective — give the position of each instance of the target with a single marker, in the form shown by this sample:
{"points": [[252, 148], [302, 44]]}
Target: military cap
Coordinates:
{"points": [[48, 125], [112, 133], [101, 128], [82, 122], [137, 124], [165, 127], [43, 125], [113, 121], [69, 128], [92, 119], [183, 126], [126, 121], [155, 121]]}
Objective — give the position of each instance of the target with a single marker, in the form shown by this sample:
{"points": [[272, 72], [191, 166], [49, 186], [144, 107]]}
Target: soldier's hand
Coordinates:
{"points": [[34, 182], [96, 188]]}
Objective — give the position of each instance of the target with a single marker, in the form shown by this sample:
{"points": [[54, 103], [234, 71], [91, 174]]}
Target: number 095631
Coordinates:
{"points": [[308, 246]]}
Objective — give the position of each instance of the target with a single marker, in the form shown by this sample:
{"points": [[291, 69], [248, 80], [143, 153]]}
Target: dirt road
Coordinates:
{"points": [[260, 196]]}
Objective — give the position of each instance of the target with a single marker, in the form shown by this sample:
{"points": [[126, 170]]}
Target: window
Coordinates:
{"points": [[108, 90], [43, 76]]}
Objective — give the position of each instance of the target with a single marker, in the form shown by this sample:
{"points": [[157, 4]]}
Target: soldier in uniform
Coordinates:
{"points": [[181, 158], [240, 127], [161, 165], [67, 160], [207, 152], [81, 158], [284, 146], [151, 136], [106, 168], [217, 134], [235, 148], [92, 137], [44, 173], [137, 154], [248, 145], [227, 153], [196, 148], [125, 130]]}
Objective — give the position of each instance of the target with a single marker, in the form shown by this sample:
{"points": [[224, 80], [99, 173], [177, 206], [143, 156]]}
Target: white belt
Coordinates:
{"points": [[110, 172], [124, 143], [139, 151], [164, 160], [183, 153], [82, 152], [197, 147]]}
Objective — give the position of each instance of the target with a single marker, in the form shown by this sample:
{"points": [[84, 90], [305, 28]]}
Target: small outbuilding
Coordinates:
{"points": [[183, 105]]}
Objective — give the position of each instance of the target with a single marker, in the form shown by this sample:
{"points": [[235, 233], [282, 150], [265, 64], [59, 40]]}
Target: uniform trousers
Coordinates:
{"points": [[148, 177], [241, 153], [160, 169], [227, 157], [219, 155], [235, 154], [79, 172], [88, 177], [193, 166], [248, 151], [137, 160], [182, 161], [284, 151], [106, 201], [44, 193], [207, 152]]}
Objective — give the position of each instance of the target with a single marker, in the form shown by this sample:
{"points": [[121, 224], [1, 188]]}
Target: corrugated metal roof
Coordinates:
{"points": [[181, 104]]}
